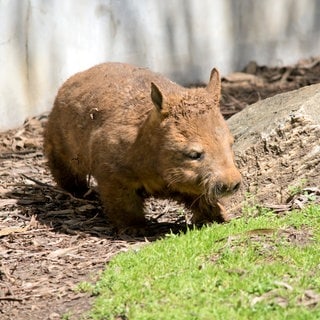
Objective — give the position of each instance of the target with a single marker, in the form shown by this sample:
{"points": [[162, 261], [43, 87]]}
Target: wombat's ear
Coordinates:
{"points": [[214, 85], [156, 97]]}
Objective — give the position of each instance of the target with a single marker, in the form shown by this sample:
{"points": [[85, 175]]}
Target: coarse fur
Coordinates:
{"points": [[139, 134]]}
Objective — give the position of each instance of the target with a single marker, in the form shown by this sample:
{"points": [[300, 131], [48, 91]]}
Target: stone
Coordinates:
{"points": [[277, 146]]}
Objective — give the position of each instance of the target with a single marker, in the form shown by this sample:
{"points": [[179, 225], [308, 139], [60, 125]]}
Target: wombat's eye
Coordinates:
{"points": [[195, 155]]}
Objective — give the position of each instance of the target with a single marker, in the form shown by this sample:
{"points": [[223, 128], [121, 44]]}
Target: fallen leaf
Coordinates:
{"points": [[283, 284], [241, 77], [271, 297], [11, 230], [61, 252], [309, 299], [33, 222], [7, 202]]}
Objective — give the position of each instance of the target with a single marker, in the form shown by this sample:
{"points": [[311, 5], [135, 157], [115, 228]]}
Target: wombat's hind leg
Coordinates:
{"points": [[65, 176]]}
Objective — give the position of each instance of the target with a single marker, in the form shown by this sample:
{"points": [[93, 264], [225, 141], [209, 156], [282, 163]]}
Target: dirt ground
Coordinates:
{"points": [[51, 241]]}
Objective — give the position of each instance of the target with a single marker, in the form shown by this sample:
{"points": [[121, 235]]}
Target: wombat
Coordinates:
{"points": [[139, 134]]}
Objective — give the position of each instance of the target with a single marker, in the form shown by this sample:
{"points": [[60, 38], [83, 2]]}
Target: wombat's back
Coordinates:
{"points": [[120, 90]]}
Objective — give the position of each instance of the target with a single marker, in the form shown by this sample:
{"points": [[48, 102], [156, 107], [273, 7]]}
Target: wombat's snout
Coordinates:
{"points": [[223, 189]]}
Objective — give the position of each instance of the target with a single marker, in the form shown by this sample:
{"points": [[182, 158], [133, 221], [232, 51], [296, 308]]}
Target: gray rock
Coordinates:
{"points": [[277, 145]]}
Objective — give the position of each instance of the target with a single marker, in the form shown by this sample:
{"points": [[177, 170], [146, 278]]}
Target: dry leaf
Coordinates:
{"points": [[11, 230], [7, 202], [61, 252], [240, 77], [283, 284], [309, 299]]}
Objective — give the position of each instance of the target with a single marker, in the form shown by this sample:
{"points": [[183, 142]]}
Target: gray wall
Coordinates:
{"points": [[42, 42]]}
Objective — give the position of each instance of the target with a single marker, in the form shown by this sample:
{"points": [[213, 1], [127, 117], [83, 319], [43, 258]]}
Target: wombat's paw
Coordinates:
{"points": [[213, 213]]}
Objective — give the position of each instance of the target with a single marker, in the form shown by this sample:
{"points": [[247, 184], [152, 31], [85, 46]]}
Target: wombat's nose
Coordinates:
{"points": [[225, 189], [236, 187]]}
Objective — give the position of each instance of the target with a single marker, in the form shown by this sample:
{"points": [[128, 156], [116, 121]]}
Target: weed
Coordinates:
{"points": [[251, 208], [297, 189], [66, 316], [84, 287]]}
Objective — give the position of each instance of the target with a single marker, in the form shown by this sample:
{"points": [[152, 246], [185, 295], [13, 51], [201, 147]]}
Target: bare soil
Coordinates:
{"points": [[51, 241]]}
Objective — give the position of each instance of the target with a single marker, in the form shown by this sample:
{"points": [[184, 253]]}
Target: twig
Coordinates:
{"points": [[19, 154], [42, 184], [73, 197], [11, 298], [35, 230]]}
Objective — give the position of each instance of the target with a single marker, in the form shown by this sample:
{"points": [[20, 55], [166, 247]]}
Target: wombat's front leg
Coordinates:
{"points": [[204, 212], [123, 206]]}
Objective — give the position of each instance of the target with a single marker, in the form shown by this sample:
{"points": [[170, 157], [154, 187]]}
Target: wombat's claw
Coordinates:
{"points": [[215, 213], [221, 212]]}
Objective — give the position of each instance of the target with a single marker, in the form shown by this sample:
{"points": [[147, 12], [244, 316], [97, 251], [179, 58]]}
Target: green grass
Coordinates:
{"points": [[265, 267]]}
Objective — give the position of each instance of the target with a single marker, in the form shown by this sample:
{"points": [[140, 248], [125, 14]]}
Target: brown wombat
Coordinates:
{"points": [[139, 134]]}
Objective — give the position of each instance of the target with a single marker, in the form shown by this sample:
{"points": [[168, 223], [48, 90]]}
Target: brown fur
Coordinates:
{"points": [[140, 134]]}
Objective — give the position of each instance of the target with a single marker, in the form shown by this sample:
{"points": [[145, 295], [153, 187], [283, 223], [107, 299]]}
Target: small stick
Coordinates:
{"points": [[42, 184], [11, 299]]}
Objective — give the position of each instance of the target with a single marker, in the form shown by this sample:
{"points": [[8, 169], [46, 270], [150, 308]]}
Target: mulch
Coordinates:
{"points": [[50, 241]]}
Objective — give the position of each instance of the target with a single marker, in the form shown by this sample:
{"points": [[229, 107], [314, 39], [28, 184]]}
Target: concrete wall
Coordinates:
{"points": [[42, 42]]}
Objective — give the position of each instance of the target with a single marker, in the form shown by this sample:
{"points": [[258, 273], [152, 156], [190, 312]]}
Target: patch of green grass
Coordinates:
{"points": [[298, 188], [84, 286], [66, 316], [263, 267]]}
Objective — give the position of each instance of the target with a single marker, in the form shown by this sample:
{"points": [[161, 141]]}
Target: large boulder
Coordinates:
{"points": [[277, 145]]}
